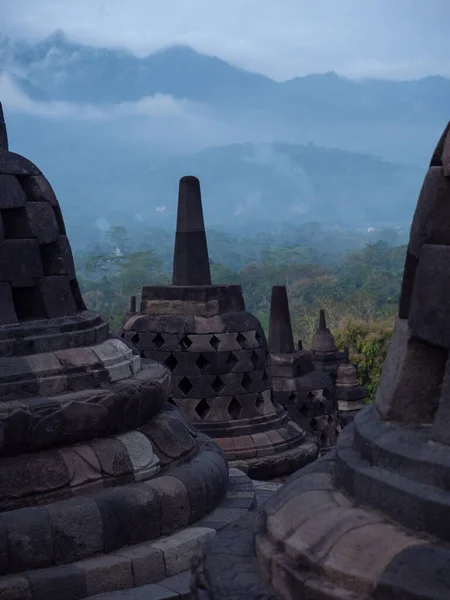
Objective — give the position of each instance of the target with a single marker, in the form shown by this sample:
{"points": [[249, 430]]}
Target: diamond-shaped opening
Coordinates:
{"points": [[265, 377], [235, 408], [159, 341], [241, 340], [202, 409], [258, 337], [202, 362], [232, 361], [254, 359], [171, 362], [322, 408], [135, 338], [292, 396], [259, 402], [215, 342], [185, 343], [217, 385], [185, 386], [304, 410], [246, 382], [314, 424]]}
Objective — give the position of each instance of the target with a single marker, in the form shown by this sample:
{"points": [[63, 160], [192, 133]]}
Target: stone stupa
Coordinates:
{"points": [[325, 355], [95, 467], [306, 393], [350, 393], [217, 353], [372, 520]]}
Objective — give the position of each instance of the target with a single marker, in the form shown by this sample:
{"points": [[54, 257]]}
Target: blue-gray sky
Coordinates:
{"points": [[395, 39]]}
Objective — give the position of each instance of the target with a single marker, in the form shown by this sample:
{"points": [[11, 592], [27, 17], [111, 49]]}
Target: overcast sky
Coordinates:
{"points": [[282, 38]]}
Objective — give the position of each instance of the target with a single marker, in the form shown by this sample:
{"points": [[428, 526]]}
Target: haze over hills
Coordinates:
{"points": [[114, 131]]}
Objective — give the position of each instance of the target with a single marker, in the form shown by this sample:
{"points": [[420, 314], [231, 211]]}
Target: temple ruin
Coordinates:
{"points": [[103, 484], [370, 521], [217, 354], [308, 394]]}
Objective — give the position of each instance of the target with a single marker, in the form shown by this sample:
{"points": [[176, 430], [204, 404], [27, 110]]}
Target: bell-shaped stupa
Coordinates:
{"points": [[217, 353], [370, 521], [325, 355], [307, 394], [95, 467], [350, 393]]}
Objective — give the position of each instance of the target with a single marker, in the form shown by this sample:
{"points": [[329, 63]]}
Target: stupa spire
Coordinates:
{"points": [[280, 329], [191, 260], [3, 132], [322, 320]]}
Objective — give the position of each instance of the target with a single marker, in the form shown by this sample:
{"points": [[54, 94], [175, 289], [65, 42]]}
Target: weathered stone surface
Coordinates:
{"points": [[180, 548], [11, 193], [3, 132], [20, 264], [106, 574], [14, 164], [30, 539], [430, 305], [175, 510], [7, 309], [61, 582], [77, 529], [84, 430], [147, 563], [191, 261], [281, 340], [436, 159], [409, 386]]}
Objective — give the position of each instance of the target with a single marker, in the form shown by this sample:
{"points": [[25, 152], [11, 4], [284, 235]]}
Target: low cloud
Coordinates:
{"points": [[14, 100]]}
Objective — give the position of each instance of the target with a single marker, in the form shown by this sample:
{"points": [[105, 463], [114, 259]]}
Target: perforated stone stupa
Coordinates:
{"points": [[94, 466], [372, 520], [217, 353], [307, 394]]}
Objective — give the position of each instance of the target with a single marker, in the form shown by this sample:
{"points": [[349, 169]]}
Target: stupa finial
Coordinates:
{"points": [[346, 357], [280, 330], [3, 132], [191, 260], [322, 320]]}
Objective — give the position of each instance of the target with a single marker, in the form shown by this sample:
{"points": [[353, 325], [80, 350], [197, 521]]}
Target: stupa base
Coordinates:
{"points": [[145, 570], [278, 464], [310, 540]]}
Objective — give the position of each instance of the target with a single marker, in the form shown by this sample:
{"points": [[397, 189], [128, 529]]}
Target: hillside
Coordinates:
{"points": [[114, 132]]}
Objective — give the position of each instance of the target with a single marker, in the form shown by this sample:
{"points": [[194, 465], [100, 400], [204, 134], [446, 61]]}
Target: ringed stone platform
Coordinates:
{"points": [[370, 521], [95, 466], [307, 394], [217, 354]]}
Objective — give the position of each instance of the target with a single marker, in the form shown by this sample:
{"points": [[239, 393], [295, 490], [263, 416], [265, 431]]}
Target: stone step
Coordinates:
{"points": [[404, 449], [135, 572], [412, 503], [171, 588]]}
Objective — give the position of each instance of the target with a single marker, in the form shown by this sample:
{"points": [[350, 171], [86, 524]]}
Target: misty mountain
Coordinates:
{"points": [[58, 69], [398, 120], [114, 132]]}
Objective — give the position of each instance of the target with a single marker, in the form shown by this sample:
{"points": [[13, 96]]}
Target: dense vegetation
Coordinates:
{"points": [[359, 289]]}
